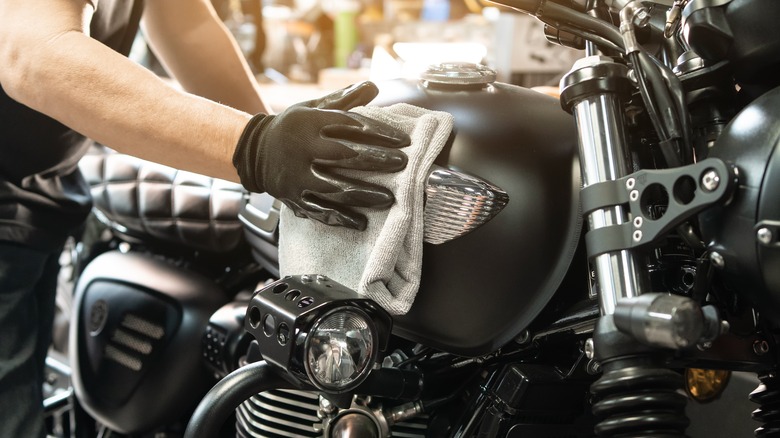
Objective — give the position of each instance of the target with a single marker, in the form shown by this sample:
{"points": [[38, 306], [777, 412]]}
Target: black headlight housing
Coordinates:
{"points": [[318, 330]]}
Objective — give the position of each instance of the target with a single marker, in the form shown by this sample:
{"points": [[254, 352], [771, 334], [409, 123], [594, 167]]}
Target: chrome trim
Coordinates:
{"points": [[604, 157], [459, 73]]}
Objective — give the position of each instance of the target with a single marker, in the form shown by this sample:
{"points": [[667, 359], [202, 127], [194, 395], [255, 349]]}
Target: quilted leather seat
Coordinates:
{"points": [[161, 204]]}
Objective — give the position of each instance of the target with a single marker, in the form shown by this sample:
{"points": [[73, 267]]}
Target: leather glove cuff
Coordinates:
{"points": [[247, 157]]}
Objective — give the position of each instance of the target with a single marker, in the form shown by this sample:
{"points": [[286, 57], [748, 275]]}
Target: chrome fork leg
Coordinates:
{"points": [[636, 394]]}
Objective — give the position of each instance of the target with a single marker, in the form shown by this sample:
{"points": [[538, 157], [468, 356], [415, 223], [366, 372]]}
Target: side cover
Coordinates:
{"points": [[136, 341], [746, 232]]}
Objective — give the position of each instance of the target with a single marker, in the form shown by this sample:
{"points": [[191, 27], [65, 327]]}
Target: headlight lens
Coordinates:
{"points": [[340, 349]]}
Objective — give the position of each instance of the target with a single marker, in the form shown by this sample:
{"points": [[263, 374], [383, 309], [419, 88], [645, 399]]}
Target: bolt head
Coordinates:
{"points": [[523, 337], [717, 259], [764, 235], [710, 181], [590, 350], [641, 18]]}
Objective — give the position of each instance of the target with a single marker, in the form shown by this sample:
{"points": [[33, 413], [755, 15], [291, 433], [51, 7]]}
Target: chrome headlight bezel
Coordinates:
{"points": [[362, 368]]}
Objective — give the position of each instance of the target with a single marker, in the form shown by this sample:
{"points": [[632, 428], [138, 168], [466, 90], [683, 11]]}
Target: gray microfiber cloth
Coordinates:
{"points": [[384, 261]]}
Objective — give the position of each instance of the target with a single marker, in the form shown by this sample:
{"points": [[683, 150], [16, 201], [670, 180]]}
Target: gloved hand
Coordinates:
{"points": [[292, 156]]}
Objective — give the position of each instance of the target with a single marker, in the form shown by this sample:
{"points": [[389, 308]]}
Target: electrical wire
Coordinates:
{"points": [[661, 93], [564, 15], [660, 106], [600, 41], [683, 115], [644, 92]]}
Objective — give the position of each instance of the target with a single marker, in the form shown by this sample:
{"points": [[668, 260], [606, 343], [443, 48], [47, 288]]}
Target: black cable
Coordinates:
{"points": [[556, 15], [600, 41], [424, 352], [641, 80], [660, 106], [683, 115], [554, 11], [663, 98], [662, 95]]}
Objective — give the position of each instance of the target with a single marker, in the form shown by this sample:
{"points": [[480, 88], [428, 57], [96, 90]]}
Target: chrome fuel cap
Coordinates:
{"points": [[459, 73]]}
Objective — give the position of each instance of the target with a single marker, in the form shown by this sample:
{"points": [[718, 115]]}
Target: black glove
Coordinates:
{"points": [[292, 155]]}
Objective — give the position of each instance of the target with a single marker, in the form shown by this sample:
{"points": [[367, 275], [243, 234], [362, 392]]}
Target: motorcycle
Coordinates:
{"points": [[591, 264]]}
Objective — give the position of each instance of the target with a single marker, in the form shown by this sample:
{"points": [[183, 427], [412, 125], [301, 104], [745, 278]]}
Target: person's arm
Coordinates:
{"points": [[197, 49], [50, 64]]}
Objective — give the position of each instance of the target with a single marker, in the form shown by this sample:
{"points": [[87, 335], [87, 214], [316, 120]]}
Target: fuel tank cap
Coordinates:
{"points": [[459, 73]]}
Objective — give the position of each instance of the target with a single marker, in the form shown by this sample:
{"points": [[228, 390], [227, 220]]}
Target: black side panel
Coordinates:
{"points": [[136, 340]]}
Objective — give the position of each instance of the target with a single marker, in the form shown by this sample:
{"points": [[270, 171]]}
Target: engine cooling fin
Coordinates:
{"points": [[278, 413], [291, 413]]}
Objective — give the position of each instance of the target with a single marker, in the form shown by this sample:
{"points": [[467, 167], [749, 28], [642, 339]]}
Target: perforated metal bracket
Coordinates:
{"points": [[689, 190]]}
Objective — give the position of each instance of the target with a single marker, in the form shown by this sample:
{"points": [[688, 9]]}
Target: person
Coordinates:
{"points": [[64, 78]]}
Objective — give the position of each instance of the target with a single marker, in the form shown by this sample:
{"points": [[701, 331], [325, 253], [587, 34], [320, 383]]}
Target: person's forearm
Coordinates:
{"points": [[197, 49], [107, 97]]}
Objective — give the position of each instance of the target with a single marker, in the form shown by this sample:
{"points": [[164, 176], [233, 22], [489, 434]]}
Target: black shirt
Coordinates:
{"points": [[43, 196]]}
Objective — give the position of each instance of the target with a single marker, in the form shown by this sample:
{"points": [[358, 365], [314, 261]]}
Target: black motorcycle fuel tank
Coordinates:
{"points": [[481, 290]]}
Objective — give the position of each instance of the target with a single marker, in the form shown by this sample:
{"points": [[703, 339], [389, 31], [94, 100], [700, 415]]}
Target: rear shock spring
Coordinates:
{"points": [[639, 400], [767, 396]]}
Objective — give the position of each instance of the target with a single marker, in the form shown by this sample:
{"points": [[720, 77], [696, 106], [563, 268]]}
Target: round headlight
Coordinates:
{"points": [[340, 349]]}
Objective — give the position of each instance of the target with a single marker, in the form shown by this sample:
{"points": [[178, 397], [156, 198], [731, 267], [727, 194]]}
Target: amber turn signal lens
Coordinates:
{"points": [[706, 385]]}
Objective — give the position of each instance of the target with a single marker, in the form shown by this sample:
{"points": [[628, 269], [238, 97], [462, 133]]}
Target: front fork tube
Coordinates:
{"points": [[636, 394]]}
